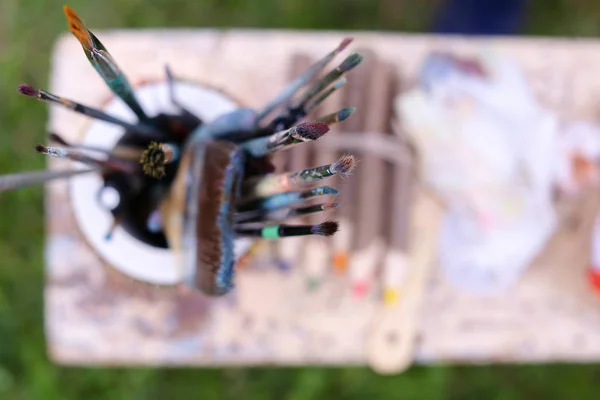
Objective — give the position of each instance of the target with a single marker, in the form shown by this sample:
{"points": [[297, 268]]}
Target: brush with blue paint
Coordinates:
{"points": [[175, 181]]}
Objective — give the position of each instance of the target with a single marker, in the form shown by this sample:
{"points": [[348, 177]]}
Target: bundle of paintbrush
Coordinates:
{"points": [[175, 181]]}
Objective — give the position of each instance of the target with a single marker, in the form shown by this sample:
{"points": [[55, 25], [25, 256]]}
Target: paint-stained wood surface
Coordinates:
{"points": [[94, 315]]}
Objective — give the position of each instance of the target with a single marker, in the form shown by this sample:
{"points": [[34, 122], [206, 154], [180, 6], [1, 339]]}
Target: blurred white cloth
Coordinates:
{"points": [[490, 150]]}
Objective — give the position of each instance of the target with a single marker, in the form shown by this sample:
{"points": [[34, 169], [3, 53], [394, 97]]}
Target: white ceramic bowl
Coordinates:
{"points": [[123, 252]]}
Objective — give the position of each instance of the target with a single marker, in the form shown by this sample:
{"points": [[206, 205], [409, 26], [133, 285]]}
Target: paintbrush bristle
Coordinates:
{"points": [[28, 90], [352, 61], [78, 29], [153, 160], [52, 151], [311, 130], [345, 43], [327, 228], [344, 165], [344, 113], [337, 116], [321, 191]]}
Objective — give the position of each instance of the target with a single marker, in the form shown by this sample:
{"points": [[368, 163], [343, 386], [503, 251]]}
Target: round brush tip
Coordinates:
{"points": [[344, 165], [153, 160], [328, 228], [352, 61], [27, 90], [344, 113], [345, 43], [312, 130]]}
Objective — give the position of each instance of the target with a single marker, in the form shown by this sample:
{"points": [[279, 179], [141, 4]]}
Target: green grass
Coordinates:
{"points": [[28, 30]]}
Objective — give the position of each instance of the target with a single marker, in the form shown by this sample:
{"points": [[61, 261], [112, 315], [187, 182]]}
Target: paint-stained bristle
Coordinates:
{"points": [[28, 90], [344, 165], [352, 61], [52, 151], [321, 191], [311, 130], [337, 116], [328, 228], [104, 64], [344, 44], [78, 29], [301, 133], [221, 172], [153, 160], [344, 113]]}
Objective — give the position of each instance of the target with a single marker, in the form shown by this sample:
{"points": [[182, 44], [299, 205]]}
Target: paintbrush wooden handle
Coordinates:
{"points": [[390, 345]]}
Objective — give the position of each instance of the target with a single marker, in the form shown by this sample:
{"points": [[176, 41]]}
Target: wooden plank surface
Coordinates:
{"points": [[94, 315]]}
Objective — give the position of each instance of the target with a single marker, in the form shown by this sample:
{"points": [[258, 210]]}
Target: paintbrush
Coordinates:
{"points": [[91, 112], [103, 63]]}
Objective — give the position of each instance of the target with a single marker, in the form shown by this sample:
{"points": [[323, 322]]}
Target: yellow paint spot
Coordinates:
{"points": [[391, 296]]}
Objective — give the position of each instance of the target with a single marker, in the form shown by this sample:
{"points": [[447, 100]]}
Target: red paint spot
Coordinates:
{"points": [[594, 280], [359, 289]]}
